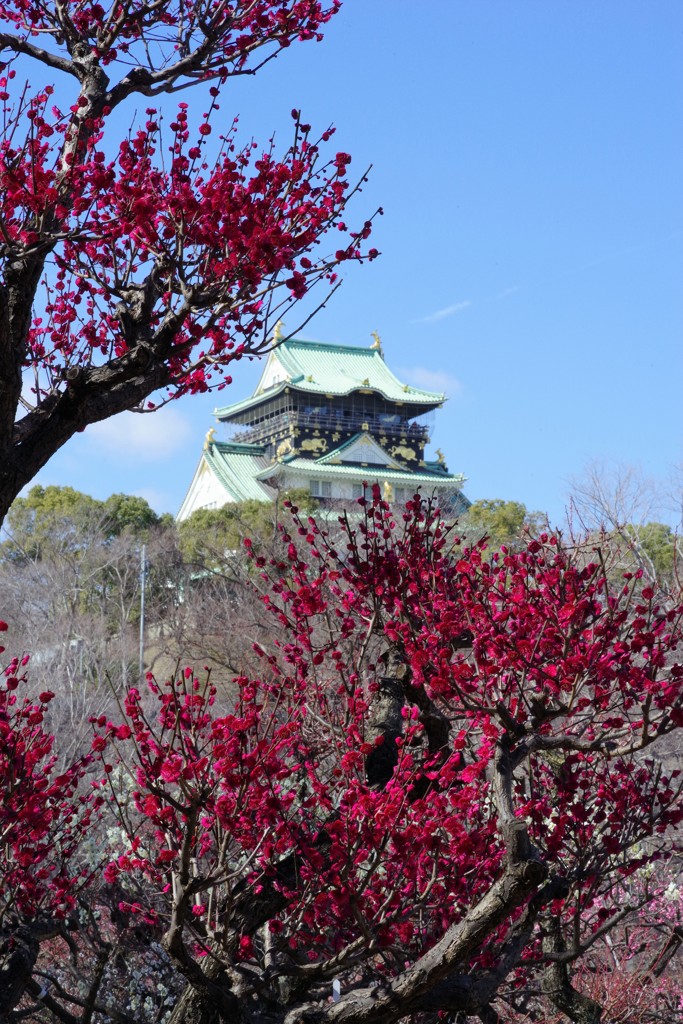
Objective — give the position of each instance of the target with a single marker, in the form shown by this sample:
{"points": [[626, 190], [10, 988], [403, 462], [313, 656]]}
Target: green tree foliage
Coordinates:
{"points": [[659, 544], [61, 518], [209, 534], [503, 522], [46, 519], [131, 513]]}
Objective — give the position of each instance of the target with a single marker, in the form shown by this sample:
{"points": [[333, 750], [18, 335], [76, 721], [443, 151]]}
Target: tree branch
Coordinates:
{"points": [[387, 1004], [51, 60]]}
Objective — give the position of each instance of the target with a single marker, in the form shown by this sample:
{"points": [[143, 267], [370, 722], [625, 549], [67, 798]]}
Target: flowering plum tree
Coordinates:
{"points": [[43, 822], [628, 972], [432, 799], [126, 269]]}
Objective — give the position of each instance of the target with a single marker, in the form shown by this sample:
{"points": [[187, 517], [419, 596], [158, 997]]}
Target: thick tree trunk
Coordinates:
{"points": [[195, 1007], [94, 394], [578, 1007], [385, 726], [215, 1004], [558, 988], [18, 954]]}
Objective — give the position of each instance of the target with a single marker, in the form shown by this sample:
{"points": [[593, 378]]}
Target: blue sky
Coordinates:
{"points": [[529, 159]]}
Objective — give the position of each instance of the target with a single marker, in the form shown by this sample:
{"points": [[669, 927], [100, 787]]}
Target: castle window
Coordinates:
{"points": [[321, 488], [359, 491]]}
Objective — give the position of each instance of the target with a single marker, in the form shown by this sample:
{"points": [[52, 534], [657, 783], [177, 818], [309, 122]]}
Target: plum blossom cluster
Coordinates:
{"points": [[203, 253], [430, 718], [43, 815], [257, 786], [118, 31], [134, 270]]}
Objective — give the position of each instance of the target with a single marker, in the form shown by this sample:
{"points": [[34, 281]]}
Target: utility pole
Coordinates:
{"points": [[143, 578]]}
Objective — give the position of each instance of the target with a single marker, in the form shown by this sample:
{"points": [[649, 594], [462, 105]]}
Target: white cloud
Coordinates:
{"points": [[149, 437], [159, 500], [432, 380], [442, 314], [508, 291]]}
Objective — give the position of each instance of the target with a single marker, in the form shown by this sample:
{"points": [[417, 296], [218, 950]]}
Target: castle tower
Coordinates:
{"points": [[330, 419]]}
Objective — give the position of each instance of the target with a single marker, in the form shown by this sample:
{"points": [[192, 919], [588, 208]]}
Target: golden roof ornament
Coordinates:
{"points": [[377, 343], [278, 332], [284, 448], [208, 440], [440, 458]]}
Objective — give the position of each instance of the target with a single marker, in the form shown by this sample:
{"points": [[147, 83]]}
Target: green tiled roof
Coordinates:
{"points": [[237, 466], [370, 472], [323, 369]]}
